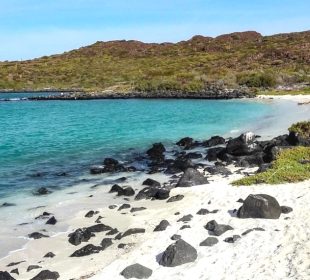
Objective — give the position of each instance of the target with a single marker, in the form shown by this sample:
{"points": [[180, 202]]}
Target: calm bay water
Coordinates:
{"points": [[52, 137]]}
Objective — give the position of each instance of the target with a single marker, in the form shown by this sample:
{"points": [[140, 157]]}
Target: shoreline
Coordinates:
{"points": [[71, 209], [218, 194]]}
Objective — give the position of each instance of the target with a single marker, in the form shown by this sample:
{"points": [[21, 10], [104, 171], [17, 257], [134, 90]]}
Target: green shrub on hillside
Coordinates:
{"points": [[256, 80], [302, 128]]}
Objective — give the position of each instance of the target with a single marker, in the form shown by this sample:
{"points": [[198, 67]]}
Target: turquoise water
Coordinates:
{"points": [[69, 136]]}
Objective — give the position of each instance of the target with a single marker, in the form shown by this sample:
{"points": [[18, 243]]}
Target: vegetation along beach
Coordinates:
{"points": [[133, 148]]}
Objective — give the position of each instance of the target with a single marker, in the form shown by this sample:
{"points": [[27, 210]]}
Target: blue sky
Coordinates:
{"points": [[32, 28]]}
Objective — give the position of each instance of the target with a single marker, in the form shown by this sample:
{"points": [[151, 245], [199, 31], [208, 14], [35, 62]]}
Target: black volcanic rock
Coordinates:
{"points": [[37, 235], [153, 193], [42, 191], [260, 206], [191, 177], [151, 183], [80, 235], [162, 226], [4, 275], [136, 271], [175, 198], [46, 275], [51, 221], [216, 229], [214, 141], [87, 250], [186, 143], [210, 241], [178, 253]]}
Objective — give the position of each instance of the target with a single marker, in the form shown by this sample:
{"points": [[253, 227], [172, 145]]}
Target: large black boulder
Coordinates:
{"points": [[191, 177], [243, 145], [4, 275], [156, 153], [217, 169], [137, 271], [214, 141], [186, 143], [178, 253], [152, 193], [46, 275], [260, 206], [215, 153], [112, 165]]}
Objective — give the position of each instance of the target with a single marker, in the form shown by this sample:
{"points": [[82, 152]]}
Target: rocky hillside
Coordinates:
{"points": [[245, 58]]}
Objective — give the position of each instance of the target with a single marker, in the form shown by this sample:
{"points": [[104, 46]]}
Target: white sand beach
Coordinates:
{"points": [[279, 252]]}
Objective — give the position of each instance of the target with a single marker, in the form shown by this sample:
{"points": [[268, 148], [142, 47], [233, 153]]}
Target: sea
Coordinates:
{"points": [[53, 144]]}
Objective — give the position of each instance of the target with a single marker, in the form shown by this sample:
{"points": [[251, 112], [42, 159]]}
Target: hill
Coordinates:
{"points": [[244, 58]]}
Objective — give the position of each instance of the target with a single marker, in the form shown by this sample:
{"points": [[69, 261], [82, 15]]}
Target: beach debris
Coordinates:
{"points": [[186, 218], [87, 250], [210, 241], [49, 255], [151, 183], [286, 209], [4, 275], [105, 243], [162, 225], [232, 239], [124, 206], [46, 275], [260, 206], [51, 221], [152, 193], [37, 235], [217, 229], [252, 229], [32, 267], [80, 235], [177, 254], [175, 237], [137, 209], [175, 198], [137, 271], [191, 177]]}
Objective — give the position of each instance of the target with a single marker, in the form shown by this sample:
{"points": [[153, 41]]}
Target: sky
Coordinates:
{"points": [[33, 28]]}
